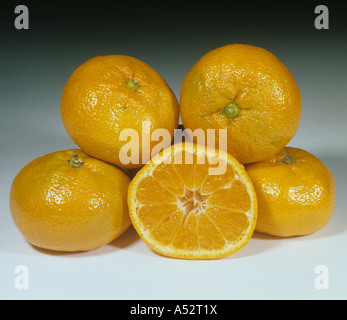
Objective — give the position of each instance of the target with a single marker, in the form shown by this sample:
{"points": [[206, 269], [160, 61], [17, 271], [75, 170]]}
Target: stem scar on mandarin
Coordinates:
{"points": [[232, 110], [75, 162]]}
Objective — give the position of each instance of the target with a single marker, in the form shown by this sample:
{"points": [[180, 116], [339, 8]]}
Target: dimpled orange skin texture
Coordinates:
{"points": [[260, 85], [293, 199], [58, 207], [97, 104]]}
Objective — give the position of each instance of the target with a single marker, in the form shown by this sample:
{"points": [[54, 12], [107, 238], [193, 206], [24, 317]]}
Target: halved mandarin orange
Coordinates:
{"points": [[192, 202]]}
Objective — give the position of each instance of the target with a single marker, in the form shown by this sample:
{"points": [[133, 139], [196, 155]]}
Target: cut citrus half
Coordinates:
{"points": [[193, 202]]}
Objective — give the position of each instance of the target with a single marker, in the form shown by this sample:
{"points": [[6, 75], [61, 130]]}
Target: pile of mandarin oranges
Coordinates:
{"points": [[185, 200]]}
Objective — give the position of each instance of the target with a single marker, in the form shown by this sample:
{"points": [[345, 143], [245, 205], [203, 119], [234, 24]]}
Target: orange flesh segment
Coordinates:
{"points": [[166, 230], [150, 191], [234, 198], [209, 236], [168, 178], [225, 220], [186, 237], [185, 168], [214, 182], [154, 215]]}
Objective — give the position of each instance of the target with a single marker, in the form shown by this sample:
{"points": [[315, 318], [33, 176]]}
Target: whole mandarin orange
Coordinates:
{"points": [[108, 94], [68, 201], [249, 92], [296, 193]]}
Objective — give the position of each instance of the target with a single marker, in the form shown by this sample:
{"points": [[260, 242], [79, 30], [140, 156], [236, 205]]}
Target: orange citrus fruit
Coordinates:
{"points": [[108, 94], [249, 92], [192, 202], [68, 201], [296, 193]]}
